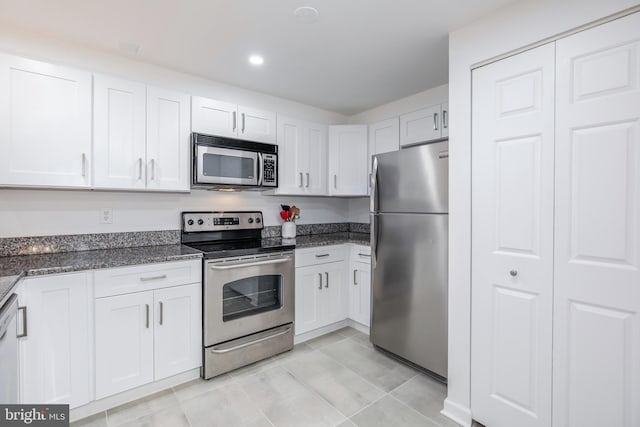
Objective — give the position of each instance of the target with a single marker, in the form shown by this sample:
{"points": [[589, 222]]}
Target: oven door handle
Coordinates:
{"points": [[259, 340], [249, 264]]}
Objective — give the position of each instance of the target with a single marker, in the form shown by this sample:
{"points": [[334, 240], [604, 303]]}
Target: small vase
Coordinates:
{"points": [[288, 230]]}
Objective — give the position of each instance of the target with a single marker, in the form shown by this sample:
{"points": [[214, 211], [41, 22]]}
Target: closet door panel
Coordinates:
{"points": [[597, 281], [512, 240]]}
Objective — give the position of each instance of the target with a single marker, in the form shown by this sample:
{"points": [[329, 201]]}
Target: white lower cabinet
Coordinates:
{"points": [[321, 294], [148, 335], [360, 285], [55, 354], [332, 285]]}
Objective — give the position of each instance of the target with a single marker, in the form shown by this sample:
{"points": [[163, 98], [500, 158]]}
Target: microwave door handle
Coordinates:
{"points": [[260, 169]]}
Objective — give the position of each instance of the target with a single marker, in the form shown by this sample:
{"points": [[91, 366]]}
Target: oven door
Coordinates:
{"points": [[216, 165], [247, 295]]}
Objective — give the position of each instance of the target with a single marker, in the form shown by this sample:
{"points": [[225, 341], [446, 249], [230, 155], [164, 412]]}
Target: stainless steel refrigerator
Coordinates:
{"points": [[409, 245]]}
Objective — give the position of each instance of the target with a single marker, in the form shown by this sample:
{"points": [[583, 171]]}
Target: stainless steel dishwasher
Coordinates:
{"points": [[9, 351]]}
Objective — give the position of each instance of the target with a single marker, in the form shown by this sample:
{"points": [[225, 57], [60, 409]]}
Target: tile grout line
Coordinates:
{"points": [[414, 410]]}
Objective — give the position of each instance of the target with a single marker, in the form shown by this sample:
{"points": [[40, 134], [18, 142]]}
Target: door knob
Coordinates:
{"points": [[513, 273]]}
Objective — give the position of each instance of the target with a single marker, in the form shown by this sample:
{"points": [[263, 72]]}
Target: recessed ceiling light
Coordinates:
{"points": [[306, 14], [256, 60]]}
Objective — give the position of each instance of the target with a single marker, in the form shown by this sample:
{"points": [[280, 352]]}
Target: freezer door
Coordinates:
{"points": [[409, 293], [414, 179]]}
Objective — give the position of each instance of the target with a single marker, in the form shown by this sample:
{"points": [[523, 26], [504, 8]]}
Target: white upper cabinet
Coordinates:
{"points": [[45, 124], [141, 136], [119, 111], [302, 152], [168, 149], [424, 125], [384, 137], [213, 117], [348, 160]]}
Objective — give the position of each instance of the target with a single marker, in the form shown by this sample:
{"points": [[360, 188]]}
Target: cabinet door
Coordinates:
{"points": [[213, 117], [292, 158], [384, 137], [119, 117], [178, 329], [512, 240], [420, 126], [168, 153], [348, 160], [45, 124], [309, 314], [360, 293], [256, 125], [315, 153], [335, 296], [55, 354], [597, 227], [124, 342]]}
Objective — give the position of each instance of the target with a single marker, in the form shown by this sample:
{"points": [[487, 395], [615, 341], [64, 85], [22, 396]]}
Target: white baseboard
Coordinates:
{"points": [[358, 326], [101, 405], [320, 331], [457, 413]]}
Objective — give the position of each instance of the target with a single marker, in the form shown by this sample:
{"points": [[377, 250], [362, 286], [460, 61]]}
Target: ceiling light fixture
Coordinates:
{"points": [[306, 14], [256, 60]]}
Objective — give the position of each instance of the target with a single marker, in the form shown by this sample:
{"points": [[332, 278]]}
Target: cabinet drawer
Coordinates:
{"points": [[361, 253], [320, 255], [125, 280]]}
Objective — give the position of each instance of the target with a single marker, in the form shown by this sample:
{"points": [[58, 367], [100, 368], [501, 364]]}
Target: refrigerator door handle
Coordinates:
{"points": [[373, 199], [374, 241]]}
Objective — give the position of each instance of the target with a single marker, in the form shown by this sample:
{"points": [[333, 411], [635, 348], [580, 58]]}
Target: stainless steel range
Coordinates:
{"points": [[248, 289]]}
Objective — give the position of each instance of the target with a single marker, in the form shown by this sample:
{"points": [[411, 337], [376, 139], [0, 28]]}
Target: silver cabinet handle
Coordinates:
{"points": [[146, 279], [84, 165], [24, 322], [243, 122], [513, 273], [355, 277], [147, 314], [445, 119], [326, 285], [335, 181], [153, 169], [435, 121], [322, 255], [320, 286], [161, 312], [307, 179], [300, 180], [234, 121], [139, 168], [364, 255]]}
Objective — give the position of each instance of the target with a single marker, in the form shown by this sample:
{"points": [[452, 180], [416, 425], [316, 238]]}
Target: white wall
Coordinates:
{"points": [[35, 212], [518, 25]]}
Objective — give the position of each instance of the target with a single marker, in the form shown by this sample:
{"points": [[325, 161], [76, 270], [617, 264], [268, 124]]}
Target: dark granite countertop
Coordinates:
{"points": [[15, 267], [314, 240]]}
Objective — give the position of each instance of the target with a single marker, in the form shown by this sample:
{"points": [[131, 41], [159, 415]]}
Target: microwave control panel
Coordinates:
{"points": [[269, 170]]}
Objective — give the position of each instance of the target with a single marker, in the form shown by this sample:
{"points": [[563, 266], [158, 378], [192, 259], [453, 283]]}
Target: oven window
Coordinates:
{"points": [[222, 166], [251, 295]]}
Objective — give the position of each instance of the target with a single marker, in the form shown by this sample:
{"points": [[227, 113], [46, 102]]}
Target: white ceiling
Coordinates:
{"points": [[358, 55]]}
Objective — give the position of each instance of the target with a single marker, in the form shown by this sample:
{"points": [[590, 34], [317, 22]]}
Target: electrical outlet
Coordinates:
{"points": [[106, 216]]}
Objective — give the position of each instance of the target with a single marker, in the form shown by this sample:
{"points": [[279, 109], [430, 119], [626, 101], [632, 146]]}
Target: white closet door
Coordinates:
{"points": [[597, 283], [512, 240]]}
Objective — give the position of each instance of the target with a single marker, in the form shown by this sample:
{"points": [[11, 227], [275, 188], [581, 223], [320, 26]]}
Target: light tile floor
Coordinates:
{"points": [[337, 379]]}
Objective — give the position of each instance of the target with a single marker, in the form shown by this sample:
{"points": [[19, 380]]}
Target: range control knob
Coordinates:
{"points": [[200, 222], [258, 220], [250, 220], [190, 222]]}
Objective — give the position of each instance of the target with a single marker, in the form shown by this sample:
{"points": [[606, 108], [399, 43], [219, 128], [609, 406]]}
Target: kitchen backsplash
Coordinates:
{"points": [[12, 246]]}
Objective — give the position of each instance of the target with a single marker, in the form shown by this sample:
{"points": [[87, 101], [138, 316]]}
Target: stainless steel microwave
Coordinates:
{"points": [[225, 163]]}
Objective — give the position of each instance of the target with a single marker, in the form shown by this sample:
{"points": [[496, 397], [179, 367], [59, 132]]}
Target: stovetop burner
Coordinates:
{"points": [[227, 234]]}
